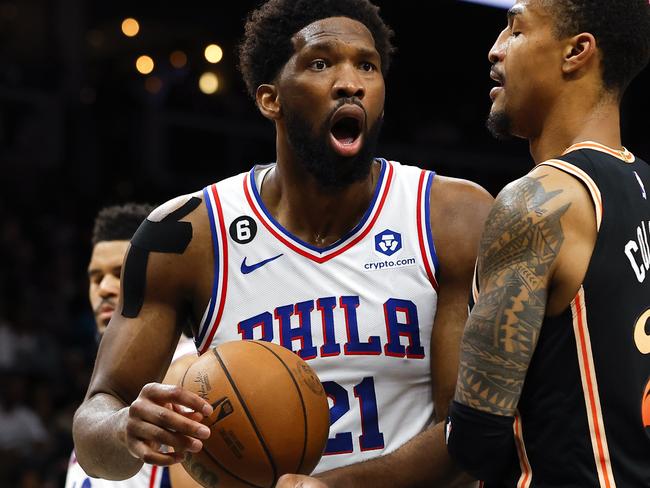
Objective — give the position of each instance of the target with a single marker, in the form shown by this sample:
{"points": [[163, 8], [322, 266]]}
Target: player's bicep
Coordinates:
{"points": [[517, 257], [458, 215]]}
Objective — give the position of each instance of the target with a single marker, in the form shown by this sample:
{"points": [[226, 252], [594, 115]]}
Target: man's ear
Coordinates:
{"points": [[268, 101], [578, 52]]}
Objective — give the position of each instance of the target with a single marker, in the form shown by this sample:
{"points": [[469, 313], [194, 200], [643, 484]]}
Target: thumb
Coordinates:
{"points": [[290, 481]]}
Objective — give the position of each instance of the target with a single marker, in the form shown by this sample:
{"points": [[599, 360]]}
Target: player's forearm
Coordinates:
{"points": [[98, 437], [421, 462]]}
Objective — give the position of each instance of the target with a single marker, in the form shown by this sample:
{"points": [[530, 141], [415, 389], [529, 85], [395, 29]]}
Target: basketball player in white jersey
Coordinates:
{"points": [[360, 265], [113, 228]]}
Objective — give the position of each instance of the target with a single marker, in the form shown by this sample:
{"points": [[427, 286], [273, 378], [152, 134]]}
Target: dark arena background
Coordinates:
{"points": [[86, 121]]}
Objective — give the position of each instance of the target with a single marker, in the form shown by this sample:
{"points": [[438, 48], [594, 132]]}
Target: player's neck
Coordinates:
{"points": [[576, 121], [319, 216]]}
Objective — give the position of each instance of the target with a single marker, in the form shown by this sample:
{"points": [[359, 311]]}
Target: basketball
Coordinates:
{"points": [[270, 417]]}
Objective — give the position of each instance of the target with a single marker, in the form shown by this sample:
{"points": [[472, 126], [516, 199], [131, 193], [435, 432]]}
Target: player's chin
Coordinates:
{"points": [[101, 326]]}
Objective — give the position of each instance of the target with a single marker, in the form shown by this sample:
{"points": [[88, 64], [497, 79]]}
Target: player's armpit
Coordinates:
{"points": [[518, 254]]}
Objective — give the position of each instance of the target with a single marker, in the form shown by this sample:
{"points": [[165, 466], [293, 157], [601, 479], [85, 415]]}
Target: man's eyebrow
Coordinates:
{"points": [[332, 46], [321, 46], [514, 11]]}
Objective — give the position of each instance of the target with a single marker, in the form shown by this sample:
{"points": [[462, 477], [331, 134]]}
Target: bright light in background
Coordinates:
{"points": [[178, 59], [208, 83], [494, 3], [130, 27], [144, 65], [213, 53]]}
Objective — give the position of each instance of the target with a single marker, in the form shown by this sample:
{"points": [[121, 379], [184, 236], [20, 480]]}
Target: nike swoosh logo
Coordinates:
{"points": [[245, 268]]}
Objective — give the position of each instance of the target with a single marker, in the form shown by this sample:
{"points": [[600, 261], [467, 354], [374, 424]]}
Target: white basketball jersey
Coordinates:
{"points": [[359, 311], [149, 476]]}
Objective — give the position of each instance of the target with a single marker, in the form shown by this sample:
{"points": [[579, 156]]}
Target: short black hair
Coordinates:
{"points": [[119, 222], [621, 29], [267, 46]]}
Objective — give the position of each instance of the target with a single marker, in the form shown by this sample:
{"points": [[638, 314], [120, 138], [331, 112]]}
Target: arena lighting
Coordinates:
{"points": [[208, 83], [144, 65], [130, 27], [213, 53], [493, 3], [178, 59]]}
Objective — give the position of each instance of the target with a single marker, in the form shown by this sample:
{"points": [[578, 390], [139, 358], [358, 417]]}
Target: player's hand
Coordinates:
{"points": [[299, 481], [165, 415]]}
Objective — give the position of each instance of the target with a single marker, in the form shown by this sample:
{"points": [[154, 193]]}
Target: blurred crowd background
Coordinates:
{"points": [[107, 102]]}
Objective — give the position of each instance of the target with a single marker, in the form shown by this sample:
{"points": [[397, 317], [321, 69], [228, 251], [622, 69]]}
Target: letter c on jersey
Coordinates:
{"points": [[641, 337]]}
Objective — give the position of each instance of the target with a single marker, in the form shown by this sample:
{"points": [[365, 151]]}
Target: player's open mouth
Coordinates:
{"points": [[346, 132]]}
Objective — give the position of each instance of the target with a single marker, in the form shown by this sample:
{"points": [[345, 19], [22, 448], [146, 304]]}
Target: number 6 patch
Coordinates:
{"points": [[243, 229]]}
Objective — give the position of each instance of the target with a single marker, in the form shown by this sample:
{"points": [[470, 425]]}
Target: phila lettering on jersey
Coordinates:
{"points": [[360, 311]]}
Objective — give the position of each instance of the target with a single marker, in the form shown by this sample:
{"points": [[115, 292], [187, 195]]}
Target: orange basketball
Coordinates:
{"points": [[645, 406], [270, 417]]}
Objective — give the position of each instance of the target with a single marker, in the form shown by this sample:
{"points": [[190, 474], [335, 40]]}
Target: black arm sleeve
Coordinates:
{"points": [[482, 444]]}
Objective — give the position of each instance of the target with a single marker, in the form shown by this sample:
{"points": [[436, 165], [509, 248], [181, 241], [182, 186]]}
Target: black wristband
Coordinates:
{"points": [[481, 443]]}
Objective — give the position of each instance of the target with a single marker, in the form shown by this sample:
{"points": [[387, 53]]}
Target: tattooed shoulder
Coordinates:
{"points": [[520, 243]]}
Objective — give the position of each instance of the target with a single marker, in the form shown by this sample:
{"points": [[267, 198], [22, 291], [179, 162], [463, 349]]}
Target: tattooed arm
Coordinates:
{"points": [[532, 258], [518, 251]]}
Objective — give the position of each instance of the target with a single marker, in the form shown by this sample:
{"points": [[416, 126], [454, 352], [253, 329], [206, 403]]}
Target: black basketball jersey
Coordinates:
{"points": [[583, 418]]}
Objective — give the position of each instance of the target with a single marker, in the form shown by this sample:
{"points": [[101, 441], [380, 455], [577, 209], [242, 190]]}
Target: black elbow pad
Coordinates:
{"points": [[482, 444]]}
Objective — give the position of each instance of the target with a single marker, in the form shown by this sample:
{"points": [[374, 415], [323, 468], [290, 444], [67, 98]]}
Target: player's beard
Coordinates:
{"points": [[499, 125], [330, 169]]}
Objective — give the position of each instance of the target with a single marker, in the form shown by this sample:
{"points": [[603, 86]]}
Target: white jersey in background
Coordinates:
{"points": [[359, 311]]}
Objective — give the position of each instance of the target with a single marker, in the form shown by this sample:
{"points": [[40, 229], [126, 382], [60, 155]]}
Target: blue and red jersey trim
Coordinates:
{"points": [[212, 316], [425, 237], [316, 254]]}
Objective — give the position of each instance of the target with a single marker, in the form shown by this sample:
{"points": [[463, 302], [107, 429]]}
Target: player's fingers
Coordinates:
{"points": [[185, 412], [149, 455], [160, 393], [145, 411], [154, 435]]}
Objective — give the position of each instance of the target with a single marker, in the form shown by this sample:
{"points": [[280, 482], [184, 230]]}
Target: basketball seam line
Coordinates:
{"points": [[183, 378], [250, 417], [302, 403], [216, 461], [207, 453]]}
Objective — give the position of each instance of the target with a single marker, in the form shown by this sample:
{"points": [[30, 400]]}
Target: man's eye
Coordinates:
{"points": [[367, 66], [319, 65]]}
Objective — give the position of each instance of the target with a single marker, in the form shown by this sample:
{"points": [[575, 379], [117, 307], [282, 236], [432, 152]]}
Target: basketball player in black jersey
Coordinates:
{"points": [[555, 359]]}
